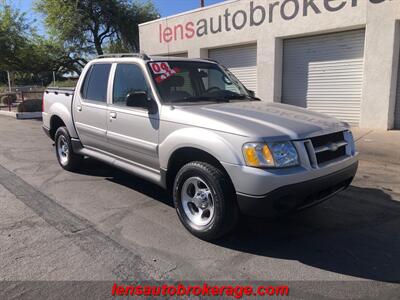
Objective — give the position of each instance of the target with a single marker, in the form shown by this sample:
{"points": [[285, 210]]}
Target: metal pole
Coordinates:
{"points": [[201, 3], [54, 78], [23, 101], [9, 81]]}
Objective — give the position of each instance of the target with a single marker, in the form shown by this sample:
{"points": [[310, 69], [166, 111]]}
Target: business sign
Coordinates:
{"points": [[253, 16]]}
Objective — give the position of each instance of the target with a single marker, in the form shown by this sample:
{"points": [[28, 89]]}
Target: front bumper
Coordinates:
{"points": [[297, 196]]}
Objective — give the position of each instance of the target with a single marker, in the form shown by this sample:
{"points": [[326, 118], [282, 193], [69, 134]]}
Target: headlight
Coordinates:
{"points": [[278, 155]]}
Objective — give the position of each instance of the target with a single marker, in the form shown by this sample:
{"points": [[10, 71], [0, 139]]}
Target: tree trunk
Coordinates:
{"points": [[97, 44]]}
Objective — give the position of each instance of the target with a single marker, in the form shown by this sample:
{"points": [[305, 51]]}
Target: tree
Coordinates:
{"points": [[13, 36], [93, 25], [127, 25], [29, 57]]}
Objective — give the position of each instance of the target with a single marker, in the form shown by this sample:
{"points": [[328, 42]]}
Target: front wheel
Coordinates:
{"points": [[205, 200], [66, 157]]}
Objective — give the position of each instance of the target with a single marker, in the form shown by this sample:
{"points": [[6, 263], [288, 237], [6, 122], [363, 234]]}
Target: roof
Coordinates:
{"points": [[169, 58], [144, 57]]}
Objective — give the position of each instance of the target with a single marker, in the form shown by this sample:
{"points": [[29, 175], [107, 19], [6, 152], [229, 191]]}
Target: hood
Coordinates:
{"points": [[256, 119]]}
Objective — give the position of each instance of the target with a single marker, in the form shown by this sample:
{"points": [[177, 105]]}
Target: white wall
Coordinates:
{"points": [[381, 48]]}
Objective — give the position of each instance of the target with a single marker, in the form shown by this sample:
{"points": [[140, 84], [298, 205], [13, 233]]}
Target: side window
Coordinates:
{"points": [[96, 81], [129, 78], [85, 83]]}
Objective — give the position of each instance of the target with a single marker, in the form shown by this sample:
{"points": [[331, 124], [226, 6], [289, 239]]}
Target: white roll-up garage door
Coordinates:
{"points": [[397, 107], [325, 73], [241, 61]]}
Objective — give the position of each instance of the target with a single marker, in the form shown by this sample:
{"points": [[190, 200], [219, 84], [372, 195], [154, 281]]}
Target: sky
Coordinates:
{"points": [[172, 7], [165, 7]]}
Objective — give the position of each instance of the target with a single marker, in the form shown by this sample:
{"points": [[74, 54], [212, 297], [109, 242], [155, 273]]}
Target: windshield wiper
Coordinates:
{"points": [[241, 97], [202, 98], [199, 98], [226, 98]]}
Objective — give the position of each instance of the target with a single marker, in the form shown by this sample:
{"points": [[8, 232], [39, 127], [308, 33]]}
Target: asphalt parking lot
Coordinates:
{"points": [[103, 224]]}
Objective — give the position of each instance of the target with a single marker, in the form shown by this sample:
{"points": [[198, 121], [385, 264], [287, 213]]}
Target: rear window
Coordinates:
{"points": [[96, 81]]}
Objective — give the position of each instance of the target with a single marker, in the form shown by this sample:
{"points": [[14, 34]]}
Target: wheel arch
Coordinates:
{"points": [[185, 155], [190, 144], [55, 123], [58, 111]]}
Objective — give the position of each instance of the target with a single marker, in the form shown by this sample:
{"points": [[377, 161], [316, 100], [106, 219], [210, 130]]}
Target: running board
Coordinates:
{"points": [[148, 174]]}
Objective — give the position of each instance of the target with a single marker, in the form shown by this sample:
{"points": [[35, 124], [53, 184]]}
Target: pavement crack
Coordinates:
{"points": [[364, 135]]}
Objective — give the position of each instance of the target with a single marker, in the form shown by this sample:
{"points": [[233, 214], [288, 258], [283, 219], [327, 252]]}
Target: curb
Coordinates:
{"points": [[22, 115], [8, 113], [29, 115]]}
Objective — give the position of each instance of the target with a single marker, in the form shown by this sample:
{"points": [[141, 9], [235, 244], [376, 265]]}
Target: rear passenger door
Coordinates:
{"points": [[90, 107], [132, 131]]}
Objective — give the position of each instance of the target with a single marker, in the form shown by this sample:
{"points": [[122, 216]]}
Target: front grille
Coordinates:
{"points": [[322, 140], [327, 156], [329, 147]]}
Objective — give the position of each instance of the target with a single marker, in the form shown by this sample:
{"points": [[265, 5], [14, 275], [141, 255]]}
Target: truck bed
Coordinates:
{"points": [[64, 90], [58, 102]]}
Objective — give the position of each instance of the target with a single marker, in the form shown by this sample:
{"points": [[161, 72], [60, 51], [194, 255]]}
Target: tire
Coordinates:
{"points": [[67, 159], [210, 211]]}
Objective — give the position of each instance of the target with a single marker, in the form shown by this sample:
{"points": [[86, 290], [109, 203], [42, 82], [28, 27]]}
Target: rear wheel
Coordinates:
{"points": [[66, 157], [205, 200]]}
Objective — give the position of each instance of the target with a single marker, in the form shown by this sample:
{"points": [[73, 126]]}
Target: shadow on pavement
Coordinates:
{"points": [[356, 233], [96, 168]]}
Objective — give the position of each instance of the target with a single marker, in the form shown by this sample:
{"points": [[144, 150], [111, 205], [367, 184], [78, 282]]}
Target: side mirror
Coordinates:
{"points": [[142, 100], [252, 93], [152, 106], [137, 99]]}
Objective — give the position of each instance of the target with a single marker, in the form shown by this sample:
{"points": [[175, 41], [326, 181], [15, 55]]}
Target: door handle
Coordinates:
{"points": [[79, 108], [113, 115]]}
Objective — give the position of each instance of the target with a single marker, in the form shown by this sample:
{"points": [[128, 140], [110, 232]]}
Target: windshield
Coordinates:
{"points": [[190, 81]]}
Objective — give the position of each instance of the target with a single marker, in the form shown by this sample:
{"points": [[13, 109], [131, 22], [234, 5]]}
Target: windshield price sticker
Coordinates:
{"points": [[165, 75], [160, 67]]}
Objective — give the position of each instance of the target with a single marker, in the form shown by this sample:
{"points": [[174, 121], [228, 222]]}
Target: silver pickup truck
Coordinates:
{"points": [[190, 126]]}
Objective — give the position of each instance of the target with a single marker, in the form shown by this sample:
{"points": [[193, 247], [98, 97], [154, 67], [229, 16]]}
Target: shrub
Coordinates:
{"points": [[65, 83], [8, 99], [33, 95], [31, 105]]}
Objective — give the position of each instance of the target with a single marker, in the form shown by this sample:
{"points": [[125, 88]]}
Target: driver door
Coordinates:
{"points": [[132, 132]]}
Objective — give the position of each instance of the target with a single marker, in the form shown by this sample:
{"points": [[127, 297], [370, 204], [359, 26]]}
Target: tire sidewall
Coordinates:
{"points": [[62, 131], [194, 170]]}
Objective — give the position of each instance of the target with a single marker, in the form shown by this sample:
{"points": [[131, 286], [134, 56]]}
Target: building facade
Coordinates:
{"points": [[340, 57]]}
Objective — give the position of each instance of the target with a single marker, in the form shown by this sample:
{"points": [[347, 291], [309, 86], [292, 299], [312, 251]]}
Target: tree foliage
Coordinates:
{"points": [[13, 38], [94, 26], [77, 29], [27, 55]]}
